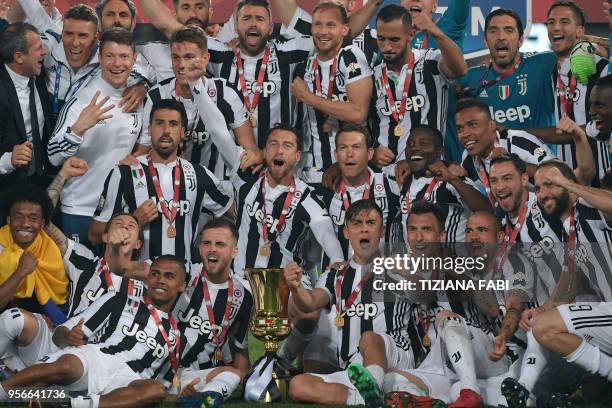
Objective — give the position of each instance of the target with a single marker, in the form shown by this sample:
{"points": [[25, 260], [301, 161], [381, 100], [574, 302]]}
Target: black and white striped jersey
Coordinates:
{"points": [[197, 347], [86, 285], [199, 148], [594, 247], [351, 66], [448, 199], [580, 107], [127, 187], [305, 211], [370, 311], [601, 146], [426, 104], [122, 326], [384, 192], [276, 104], [525, 145]]}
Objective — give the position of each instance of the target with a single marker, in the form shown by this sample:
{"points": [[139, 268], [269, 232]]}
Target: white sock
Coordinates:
{"points": [[534, 362], [224, 383], [294, 344], [353, 397], [11, 326], [3, 395], [397, 382], [459, 351], [592, 359], [378, 373], [90, 401]]}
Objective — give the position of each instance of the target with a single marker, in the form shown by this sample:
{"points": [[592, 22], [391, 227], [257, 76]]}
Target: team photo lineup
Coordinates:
{"points": [[324, 205]]}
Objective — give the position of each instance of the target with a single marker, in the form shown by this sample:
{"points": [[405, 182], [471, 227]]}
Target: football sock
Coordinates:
{"points": [[459, 351]]}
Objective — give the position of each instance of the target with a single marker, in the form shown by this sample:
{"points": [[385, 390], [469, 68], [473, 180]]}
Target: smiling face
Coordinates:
{"points": [[130, 225], [503, 40], [254, 27], [25, 222], [421, 151], [79, 38], [353, 154], [425, 234], [193, 12], [328, 31], [553, 199], [116, 13], [482, 235], [165, 281], [166, 131], [393, 41], [116, 62], [563, 30], [600, 110], [364, 232], [218, 249], [281, 153], [184, 56], [476, 131], [31, 63], [508, 186]]}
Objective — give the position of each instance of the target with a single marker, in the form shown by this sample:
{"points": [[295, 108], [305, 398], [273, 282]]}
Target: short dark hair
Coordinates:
{"points": [[351, 127], [192, 34], [221, 223], [102, 3], [82, 12], [604, 82], [504, 12], [14, 39], [136, 253], [394, 12], [117, 35], [172, 258], [563, 167], [491, 216], [467, 103], [170, 104], [513, 158], [420, 207], [282, 126], [27, 193], [361, 206], [435, 134], [255, 3], [330, 5], [576, 9], [176, 2]]}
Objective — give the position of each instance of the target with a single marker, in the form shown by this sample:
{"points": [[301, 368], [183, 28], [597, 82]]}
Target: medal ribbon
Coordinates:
{"points": [[248, 104], [104, 272], [503, 75], [330, 85], [160, 194], [510, 236], [218, 338], [174, 356], [284, 212], [430, 189], [345, 199], [482, 172], [567, 100], [571, 243], [398, 116], [353, 296]]}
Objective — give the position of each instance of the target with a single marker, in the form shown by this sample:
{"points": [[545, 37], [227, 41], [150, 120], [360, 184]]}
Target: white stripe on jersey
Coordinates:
{"points": [[127, 187], [369, 312], [601, 145], [199, 147], [426, 105], [276, 104], [85, 285], [352, 66], [123, 327], [157, 53], [306, 211]]}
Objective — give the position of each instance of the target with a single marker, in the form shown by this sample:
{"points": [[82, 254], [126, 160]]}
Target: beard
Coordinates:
{"points": [[563, 203]]}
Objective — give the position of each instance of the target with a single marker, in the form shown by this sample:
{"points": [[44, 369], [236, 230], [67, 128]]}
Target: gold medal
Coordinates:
{"points": [[398, 131], [171, 231], [218, 354], [339, 320], [264, 250], [426, 341], [176, 383], [326, 127], [253, 120]]}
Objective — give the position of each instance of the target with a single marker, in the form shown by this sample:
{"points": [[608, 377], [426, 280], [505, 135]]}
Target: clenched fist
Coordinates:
{"points": [[293, 275], [27, 263], [146, 212]]}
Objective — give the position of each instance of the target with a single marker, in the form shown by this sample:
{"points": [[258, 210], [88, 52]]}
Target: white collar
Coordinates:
{"points": [[18, 79]]}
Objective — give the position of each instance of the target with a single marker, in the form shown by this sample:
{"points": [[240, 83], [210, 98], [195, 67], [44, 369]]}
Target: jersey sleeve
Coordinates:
{"points": [[38, 17], [228, 31], [354, 65], [529, 147], [326, 282], [144, 138], [454, 20], [62, 144], [323, 229], [232, 107], [300, 24], [216, 200], [240, 329], [97, 314], [112, 198], [76, 252]]}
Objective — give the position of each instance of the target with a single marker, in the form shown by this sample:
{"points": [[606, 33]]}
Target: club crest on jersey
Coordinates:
{"points": [[212, 92], [520, 279], [353, 67], [522, 84], [504, 92], [92, 295], [142, 337]]}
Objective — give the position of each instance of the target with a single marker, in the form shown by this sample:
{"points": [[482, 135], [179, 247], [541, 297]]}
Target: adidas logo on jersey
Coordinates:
{"points": [[365, 310], [204, 327], [142, 337], [483, 94]]}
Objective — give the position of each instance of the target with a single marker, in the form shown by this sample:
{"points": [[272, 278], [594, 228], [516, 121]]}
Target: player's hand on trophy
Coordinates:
{"points": [[293, 275]]}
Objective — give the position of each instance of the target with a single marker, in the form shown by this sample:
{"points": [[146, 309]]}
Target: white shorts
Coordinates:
{"points": [[482, 344], [102, 373], [435, 374], [41, 346], [592, 321], [324, 346]]}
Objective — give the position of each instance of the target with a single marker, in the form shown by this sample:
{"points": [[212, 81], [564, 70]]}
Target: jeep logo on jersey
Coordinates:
{"points": [[268, 88], [520, 113], [365, 310], [142, 337], [199, 138], [414, 103], [204, 327], [539, 249], [184, 206], [257, 212]]}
